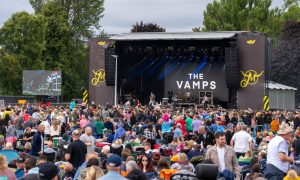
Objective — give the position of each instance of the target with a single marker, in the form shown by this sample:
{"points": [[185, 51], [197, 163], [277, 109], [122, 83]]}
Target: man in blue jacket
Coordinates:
{"points": [[37, 143], [120, 132]]}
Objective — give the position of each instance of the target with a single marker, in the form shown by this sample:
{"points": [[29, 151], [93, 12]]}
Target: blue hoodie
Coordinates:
{"points": [[120, 132]]}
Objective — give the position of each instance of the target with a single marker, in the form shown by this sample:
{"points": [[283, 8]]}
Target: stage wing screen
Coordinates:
{"points": [[42, 82]]}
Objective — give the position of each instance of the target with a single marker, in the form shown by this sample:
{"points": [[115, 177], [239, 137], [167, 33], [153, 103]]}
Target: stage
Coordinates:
{"points": [[185, 66]]}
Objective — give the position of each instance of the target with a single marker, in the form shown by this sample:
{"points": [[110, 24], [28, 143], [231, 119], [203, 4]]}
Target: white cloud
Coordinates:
{"points": [[174, 15], [9, 7]]}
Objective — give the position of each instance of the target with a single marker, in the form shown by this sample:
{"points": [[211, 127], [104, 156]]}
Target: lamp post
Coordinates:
{"points": [[116, 79]]}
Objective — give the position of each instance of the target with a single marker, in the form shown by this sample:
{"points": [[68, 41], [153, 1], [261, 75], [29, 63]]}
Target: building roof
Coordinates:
{"points": [[174, 36], [273, 85]]}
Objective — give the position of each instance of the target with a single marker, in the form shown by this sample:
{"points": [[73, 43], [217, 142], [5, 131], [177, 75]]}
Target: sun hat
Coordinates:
{"points": [[284, 129]]}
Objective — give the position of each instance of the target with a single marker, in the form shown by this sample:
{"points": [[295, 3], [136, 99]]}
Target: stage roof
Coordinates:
{"points": [[273, 85], [174, 36]]}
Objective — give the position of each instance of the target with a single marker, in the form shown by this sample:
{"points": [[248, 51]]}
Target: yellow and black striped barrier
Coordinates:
{"points": [[85, 96], [266, 103]]}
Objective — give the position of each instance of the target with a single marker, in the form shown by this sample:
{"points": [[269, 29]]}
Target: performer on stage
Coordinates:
{"points": [[152, 96], [152, 100], [205, 101]]}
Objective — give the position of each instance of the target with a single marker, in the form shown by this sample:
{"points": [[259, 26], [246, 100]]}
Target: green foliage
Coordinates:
{"points": [[83, 15], [147, 27], [248, 15], [10, 74], [37, 4], [54, 38], [286, 57], [23, 36]]}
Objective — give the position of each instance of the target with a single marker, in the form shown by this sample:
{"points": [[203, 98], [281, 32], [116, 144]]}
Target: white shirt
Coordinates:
{"points": [[47, 127], [53, 132], [241, 141], [36, 116], [85, 138], [275, 146], [221, 156]]}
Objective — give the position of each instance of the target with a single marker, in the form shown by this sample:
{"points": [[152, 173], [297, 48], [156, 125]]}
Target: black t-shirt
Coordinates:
{"points": [[297, 147], [109, 125], [77, 150], [158, 128], [28, 135]]}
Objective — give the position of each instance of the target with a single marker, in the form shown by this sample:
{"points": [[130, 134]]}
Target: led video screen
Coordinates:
{"points": [[40, 82]]}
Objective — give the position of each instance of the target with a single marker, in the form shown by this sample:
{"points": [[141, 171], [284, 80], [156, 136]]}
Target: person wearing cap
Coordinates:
{"points": [[20, 163], [76, 150], [277, 154], [48, 171], [120, 132], [113, 166]]}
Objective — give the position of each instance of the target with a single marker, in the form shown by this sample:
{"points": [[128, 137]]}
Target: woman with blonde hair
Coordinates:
{"points": [[93, 173], [291, 175], [4, 170], [117, 147], [27, 147], [183, 163], [55, 128]]}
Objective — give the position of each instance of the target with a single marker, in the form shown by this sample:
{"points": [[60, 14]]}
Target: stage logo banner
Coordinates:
{"points": [[251, 62], [250, 77], [196, 81], [99, 77], [99, 93]]}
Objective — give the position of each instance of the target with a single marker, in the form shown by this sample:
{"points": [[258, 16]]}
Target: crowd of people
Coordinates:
{"points": [[147, 142]]}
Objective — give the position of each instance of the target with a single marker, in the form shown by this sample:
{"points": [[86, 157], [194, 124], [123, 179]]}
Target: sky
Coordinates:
{"points": [[120, 15]]}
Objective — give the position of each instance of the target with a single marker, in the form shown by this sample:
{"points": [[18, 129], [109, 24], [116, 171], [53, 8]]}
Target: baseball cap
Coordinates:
{"points": [[114, 160], [76, 132], [20, 160], [47, 170]]}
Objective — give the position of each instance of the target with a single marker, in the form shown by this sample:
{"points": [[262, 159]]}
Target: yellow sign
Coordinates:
{"points": [[266, 103], [22, 101], [101, 43], [250, 78], [85, 96], [251, 42], [99, 77]]}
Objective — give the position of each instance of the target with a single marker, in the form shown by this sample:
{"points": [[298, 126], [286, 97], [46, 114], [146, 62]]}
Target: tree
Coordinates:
{"points": [[286, 57], [248, 15], [22, 43], [59, 49], [23, 37], [83, 15], [147, 27], [10, 74], [83, 20]]}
